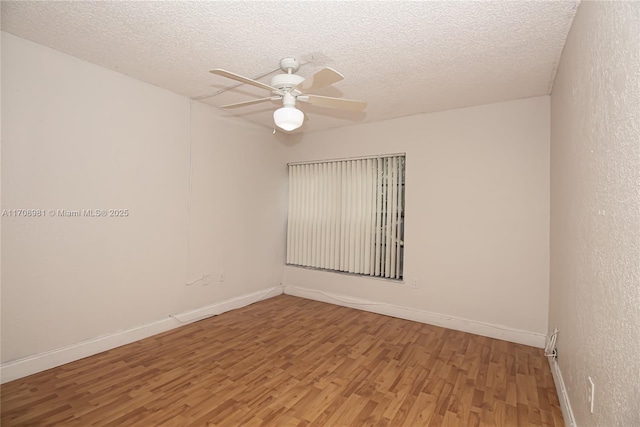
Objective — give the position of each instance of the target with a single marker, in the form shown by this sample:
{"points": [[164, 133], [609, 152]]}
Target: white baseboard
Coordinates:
{"points": [[32, 364], [227, 305], [480, 328], [563, 396]]}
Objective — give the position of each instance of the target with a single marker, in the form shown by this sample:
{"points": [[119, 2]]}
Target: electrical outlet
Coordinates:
{"points": [[414, 283], [221, 276], [592, 390], [206, 278]]}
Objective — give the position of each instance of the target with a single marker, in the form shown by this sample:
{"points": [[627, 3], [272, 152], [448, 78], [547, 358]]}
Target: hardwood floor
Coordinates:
{"points": [[289, 361]]}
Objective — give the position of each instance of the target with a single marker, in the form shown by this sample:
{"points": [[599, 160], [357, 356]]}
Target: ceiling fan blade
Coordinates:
{"points": [[254, 101], [322, 78], [237, 77], [327, 101]]}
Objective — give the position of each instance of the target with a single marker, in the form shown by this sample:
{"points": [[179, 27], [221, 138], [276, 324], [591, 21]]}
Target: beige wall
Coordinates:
{"points": [[477, 211], [595, 213], [77, 136]]}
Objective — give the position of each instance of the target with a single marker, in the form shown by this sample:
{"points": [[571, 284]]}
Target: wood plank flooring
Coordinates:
{"points": [[289, 361]]}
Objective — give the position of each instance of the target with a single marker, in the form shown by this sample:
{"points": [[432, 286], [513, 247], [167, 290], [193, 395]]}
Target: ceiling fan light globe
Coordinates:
{"points": [[288, 118]]}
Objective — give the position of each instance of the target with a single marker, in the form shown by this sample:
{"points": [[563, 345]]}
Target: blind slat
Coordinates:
{"points": [[357, 241], [321, 214], [299, 215], [344, 224], [400, 207], [378, 230], [335, 253], [394, 219], [314, 214], [308, 216], [366, 215]]}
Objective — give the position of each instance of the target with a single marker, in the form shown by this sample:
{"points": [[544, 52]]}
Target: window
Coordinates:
{"points": [[348, 215]]}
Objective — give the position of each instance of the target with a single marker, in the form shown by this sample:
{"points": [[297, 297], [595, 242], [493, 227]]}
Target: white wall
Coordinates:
{"points": [[477, 213], [78, 136], [595, 213], [238, 207]]}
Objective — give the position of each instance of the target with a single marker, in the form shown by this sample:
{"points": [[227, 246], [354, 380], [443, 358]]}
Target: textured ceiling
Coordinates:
{"points": [[401, 57]]}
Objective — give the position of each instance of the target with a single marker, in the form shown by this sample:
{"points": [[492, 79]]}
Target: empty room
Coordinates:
{"points": [[328, 213]]}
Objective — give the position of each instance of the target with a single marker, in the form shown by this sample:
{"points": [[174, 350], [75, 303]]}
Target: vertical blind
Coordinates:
{"points": [[348, 215]]}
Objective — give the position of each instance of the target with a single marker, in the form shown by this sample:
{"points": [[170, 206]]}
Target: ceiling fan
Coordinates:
{"points": [[290, 88]]}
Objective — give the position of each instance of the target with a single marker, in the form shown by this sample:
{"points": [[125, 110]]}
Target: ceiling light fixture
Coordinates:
{"points": [[288, 117]]}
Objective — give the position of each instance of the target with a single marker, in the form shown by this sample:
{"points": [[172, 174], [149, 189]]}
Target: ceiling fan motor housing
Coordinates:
{"points": [[286, 82]]}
